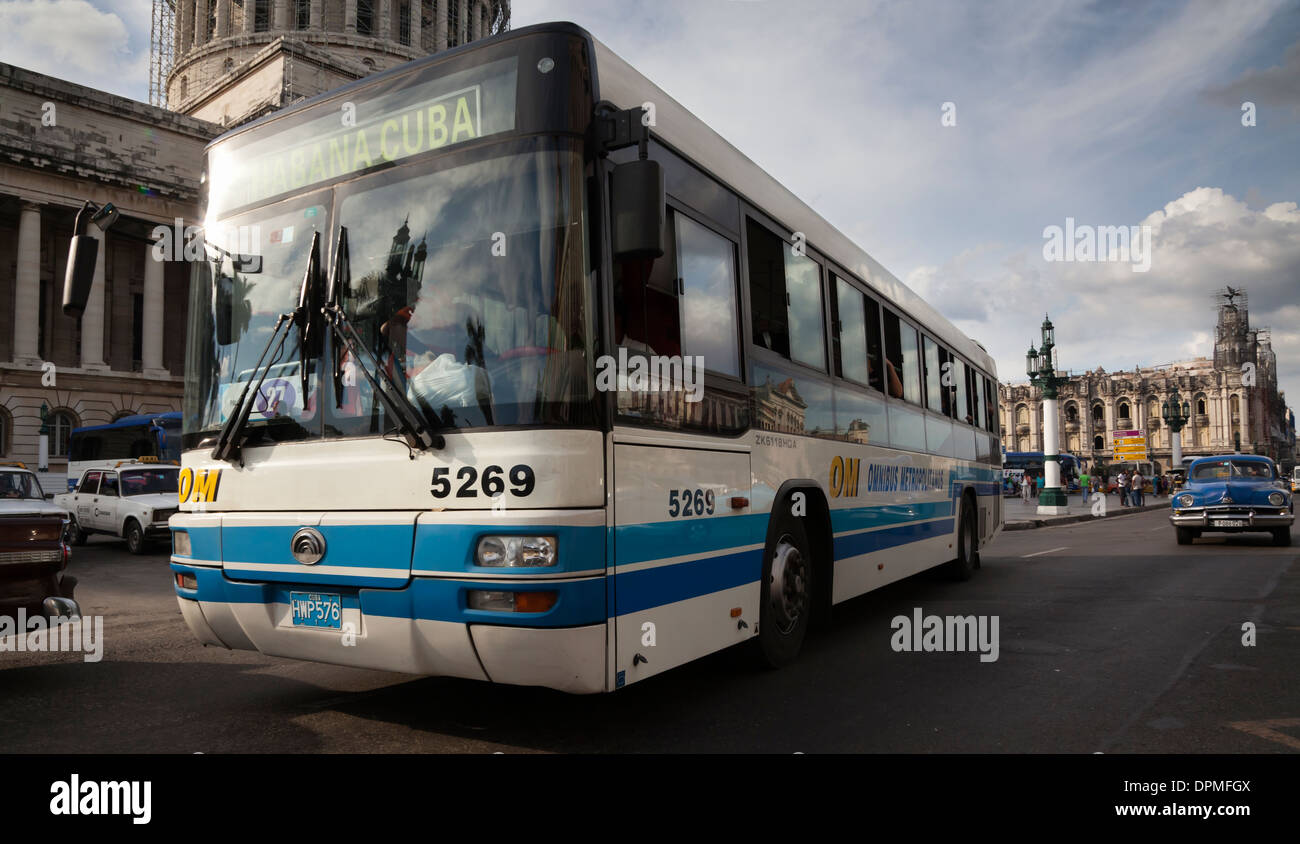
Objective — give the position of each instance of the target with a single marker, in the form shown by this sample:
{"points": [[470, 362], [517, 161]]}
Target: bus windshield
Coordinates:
{"points": [[466, 283]]}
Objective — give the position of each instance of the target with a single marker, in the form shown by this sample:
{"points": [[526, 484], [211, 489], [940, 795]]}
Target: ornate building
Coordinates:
{"points": [[1223, 401], [63, 143]]}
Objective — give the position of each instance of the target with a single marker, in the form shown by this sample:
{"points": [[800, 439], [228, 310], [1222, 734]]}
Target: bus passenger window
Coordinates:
{"points": [[902, 359], [935, 395], [990, 405], [960, 406], [848, 332], [785, 290]]}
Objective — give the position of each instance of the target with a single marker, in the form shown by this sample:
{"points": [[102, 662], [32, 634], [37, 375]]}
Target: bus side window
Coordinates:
{"points": [[934, 392], [785, 291], [902, 357]]}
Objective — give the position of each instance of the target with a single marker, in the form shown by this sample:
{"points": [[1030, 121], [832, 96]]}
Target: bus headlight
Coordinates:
{"points": [[516, 551], [1277, 499], [181, 543], [1185, 500]]}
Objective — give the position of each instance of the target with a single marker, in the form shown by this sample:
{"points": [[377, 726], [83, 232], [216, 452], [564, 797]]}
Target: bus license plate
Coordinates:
{"points": [[316, 609], [1230, 523]]}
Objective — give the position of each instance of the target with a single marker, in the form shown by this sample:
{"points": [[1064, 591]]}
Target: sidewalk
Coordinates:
{"points": [[1022, 515]]}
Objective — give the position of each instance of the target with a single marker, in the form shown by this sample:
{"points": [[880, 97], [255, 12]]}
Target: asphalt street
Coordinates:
{"points": [[1112, 638]]}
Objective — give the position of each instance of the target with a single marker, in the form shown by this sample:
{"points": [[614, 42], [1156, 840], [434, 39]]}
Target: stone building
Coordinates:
{"points": [[1222, 401], [63, 143]]}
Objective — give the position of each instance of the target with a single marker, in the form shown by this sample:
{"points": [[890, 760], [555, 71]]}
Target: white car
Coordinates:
{"points": [[133, 500]]}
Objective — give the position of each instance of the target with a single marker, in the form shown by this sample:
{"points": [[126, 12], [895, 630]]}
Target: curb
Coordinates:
{"points": [[1030, 524]]}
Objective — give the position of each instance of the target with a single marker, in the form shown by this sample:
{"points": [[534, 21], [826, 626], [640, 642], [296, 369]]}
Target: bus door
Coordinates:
{"points": [[685, 562]]}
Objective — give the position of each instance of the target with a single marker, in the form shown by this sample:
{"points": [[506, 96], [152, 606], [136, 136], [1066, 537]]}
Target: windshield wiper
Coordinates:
{"points": [[410, 422], [228, 441]]}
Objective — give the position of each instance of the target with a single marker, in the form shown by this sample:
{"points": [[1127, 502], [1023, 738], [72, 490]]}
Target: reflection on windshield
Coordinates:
{"points": [[468, 285], [19, 485], [232, 315], [1228, 469], [149, 481]]}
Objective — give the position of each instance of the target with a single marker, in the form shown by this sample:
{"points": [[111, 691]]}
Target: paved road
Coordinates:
{"points": [[1112, 638]]}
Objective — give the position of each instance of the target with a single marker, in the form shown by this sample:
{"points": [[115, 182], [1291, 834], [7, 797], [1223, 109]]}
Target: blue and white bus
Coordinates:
{"points": [[149, 435], [447, 483]]}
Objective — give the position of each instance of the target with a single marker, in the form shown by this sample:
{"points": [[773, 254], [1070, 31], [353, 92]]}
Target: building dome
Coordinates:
{"points": [[234, 60]]}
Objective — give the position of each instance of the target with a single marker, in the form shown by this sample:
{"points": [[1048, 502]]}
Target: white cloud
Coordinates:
{"points": [[74, 40]]}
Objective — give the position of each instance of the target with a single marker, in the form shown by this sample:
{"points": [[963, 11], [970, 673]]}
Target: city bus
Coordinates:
{"points": [[153, 435], [468, 473], [1016, 463]]}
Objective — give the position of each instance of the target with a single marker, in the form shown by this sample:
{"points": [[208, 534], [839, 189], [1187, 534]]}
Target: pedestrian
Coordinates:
{"points": [[1084, 480], [1024, 487], [1122, 483], [1135, 487]]}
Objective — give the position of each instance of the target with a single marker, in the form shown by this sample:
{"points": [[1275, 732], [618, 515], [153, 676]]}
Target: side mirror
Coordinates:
{"points": [[637, 204], [82, 254], [80, 274]]}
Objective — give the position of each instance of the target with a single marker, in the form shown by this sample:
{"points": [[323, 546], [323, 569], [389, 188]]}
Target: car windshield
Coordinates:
{"points": [[20, 485], [1222, 470], [147, 481]]}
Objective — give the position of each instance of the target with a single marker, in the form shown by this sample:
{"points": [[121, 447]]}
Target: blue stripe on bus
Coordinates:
{"points": [[642, 543], [655, 587], [878, 540]]}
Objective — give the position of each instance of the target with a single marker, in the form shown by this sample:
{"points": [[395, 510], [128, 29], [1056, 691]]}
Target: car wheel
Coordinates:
{"points": [[787, 593], [1282, 536], [1185, 536], [134, 537], [75, 534], [968, 551]]}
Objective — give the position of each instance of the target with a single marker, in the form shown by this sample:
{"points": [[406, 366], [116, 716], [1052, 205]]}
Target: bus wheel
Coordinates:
{"points": [[76, 535], [787, 593], [968, 547], [134, 537]]}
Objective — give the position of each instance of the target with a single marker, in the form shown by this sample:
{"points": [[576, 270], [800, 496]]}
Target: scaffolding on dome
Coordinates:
{"points": [[162, 28]]}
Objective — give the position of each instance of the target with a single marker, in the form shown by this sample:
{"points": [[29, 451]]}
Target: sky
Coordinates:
{"points": [[1108, 114]]}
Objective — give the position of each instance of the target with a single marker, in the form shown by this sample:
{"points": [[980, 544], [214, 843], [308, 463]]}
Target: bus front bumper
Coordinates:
{"points": [[379, 631]]}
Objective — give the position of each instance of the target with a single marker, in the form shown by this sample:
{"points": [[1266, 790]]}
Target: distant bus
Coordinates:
{"points": [[156, 435], [1016, 463]]}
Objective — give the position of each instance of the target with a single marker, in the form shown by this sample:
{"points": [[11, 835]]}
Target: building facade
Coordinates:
{"points": [[1232, 395], [62, 144]]}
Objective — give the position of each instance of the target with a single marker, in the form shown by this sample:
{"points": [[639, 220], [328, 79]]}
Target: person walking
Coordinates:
{"points": [[1122, 483], [1084, 480], [1135, 485], [1024, 487]]}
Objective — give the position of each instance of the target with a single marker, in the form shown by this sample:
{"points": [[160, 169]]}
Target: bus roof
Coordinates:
{"points": [[619, 82], [129, 421]]}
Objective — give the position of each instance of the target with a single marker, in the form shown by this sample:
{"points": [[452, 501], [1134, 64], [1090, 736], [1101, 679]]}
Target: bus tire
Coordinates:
{"points": [[968, 544], [76, 536], [787, 593], [134, 537]]}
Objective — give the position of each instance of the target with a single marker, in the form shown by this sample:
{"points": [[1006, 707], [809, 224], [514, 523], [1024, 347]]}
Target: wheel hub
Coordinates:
{"points": [[788, 592]]}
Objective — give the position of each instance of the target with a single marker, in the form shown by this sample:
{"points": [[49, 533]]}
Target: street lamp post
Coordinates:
{"points": [[43, 444], [1041, 369], [1040, 366], [1176, 416]]}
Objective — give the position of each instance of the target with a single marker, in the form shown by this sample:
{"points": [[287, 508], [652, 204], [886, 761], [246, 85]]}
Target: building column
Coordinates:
{"points": [[462, 21], [440, 24], [92, 320], [315, 20], [250, 16], [281, 14], [223, 18], [200, 22], [154, 314], [384, 11], [350, 16], [417, 12], [1245, 422], [27, 291]]}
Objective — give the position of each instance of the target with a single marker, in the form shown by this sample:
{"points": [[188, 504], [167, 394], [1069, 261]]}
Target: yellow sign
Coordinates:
{"points": [[844, 477], [200, 486]]}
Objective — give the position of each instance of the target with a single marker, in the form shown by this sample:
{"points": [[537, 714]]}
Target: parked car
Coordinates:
{"points": [[33, 552], [1235, 493], [133, 500]]}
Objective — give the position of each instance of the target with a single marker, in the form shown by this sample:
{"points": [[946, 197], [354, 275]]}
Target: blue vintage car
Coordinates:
{"points": [[1233, 493]]}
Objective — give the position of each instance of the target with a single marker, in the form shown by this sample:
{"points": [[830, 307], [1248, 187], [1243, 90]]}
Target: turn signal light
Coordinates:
{"points": [[511, 601]]}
